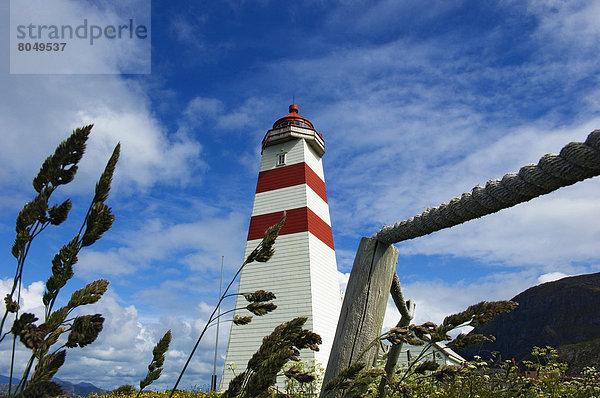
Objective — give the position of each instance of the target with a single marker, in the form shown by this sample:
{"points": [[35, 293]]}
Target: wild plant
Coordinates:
{"points": [[58, 169], [258, 302], [158, 359], [154, 369], [359, 380], [282, 345], [303, 379], [496, 378], [124, 390]]}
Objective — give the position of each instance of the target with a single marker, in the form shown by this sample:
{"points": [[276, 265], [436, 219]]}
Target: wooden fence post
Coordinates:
{"points": [[363, 309]]}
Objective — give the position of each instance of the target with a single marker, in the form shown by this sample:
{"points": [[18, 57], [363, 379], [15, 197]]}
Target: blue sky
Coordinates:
{"points": [[417, 103]]}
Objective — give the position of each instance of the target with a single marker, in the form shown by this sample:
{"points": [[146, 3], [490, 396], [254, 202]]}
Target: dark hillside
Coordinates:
{"points": [[563, 314], [70, 389]]}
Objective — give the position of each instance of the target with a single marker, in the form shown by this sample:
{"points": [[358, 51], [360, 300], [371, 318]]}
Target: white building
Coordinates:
{"points": [[303, 271], [438, 352]]}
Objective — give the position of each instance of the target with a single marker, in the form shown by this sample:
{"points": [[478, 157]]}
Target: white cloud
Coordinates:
{"points": [[202, 111], [120, 113], [550, 230], [435, 298], [551, 277], [343, 279], [202, 108], [381, 17], [413, 140], [41, 111], [568, 22], [112, 263], [198, 245], [186, 28], [123, 349], [31, 297], [149, 155]]}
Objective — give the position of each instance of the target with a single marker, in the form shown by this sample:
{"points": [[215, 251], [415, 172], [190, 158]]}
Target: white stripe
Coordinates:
{"points": [[291, 198], [294, 151], [313, 160], [297, 151], [318, 205]]}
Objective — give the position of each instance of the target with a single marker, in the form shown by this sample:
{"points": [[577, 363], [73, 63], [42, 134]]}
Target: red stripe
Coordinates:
{"points": [[316, 183], [289, 176], [281, 177], [297, 220], [320, 228]]}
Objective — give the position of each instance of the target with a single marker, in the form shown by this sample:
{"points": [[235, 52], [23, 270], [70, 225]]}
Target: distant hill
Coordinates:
{"points": [[80, 389], [563, 314], [5, 379], [70, 389], [4, 384]]}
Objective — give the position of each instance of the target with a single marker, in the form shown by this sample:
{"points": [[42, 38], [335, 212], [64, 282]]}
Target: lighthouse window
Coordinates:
{"points": [[280, 159]]}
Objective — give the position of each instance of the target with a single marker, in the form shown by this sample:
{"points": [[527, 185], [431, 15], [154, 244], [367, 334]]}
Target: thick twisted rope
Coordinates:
{"points": [[575, 162]]}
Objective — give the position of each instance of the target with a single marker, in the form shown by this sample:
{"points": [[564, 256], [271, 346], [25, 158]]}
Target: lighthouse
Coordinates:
{"points": [[302, 273]]}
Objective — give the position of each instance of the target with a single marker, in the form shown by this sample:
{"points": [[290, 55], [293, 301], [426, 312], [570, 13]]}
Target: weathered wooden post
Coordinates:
{"points": [[363, 309]]}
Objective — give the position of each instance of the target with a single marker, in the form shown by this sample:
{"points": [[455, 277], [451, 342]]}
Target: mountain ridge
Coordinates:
{"points": [[563, 314], [82, 389]]}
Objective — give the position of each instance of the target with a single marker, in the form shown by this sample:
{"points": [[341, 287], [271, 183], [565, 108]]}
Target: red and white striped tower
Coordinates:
{"points": [[303, 271]]}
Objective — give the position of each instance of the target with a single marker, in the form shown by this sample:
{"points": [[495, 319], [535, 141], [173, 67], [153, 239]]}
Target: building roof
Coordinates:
{"points": [[294, 126], [450, 353], [293, 119]]}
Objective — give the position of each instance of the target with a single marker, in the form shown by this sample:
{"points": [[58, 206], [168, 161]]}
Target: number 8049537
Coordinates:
{"points": [[41, 46]]}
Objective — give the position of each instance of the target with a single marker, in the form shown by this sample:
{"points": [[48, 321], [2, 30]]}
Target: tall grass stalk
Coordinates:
{"points": [[58, 169], [262, 253], [158, 359]]}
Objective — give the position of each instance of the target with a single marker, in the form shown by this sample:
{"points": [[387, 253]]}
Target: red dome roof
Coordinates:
{"points": [[293, 118]]}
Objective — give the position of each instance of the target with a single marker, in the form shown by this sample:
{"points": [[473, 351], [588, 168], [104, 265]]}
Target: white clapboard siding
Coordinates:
{"points": [[291, 198]]}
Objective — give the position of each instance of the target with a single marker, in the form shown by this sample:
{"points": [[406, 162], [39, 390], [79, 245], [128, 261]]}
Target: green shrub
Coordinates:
{"points": [[125, 389]]}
